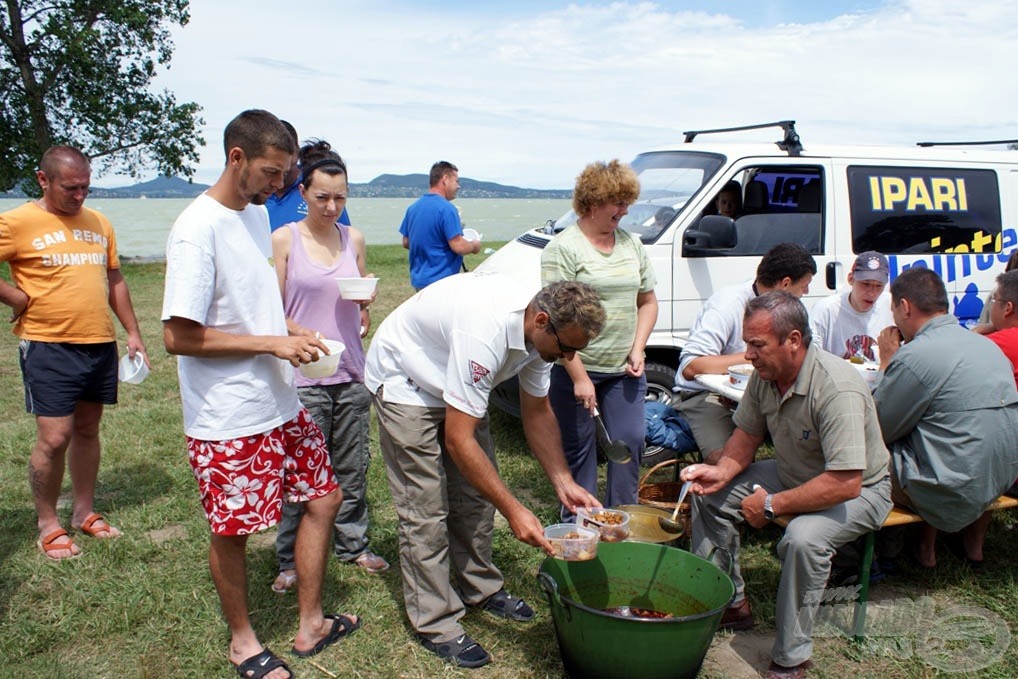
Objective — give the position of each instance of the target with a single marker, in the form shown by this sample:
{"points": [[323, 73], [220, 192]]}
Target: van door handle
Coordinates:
{"points": [[832, 275]]}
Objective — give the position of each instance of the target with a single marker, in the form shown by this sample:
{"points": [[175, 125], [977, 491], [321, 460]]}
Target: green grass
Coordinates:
{"points": [[144, 605]]}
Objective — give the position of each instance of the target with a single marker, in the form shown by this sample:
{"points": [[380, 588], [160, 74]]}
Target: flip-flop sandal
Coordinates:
{"points": [[88, 527], [342, 626], [505, 605], [48, 544], [262, 664], [283, 582]]}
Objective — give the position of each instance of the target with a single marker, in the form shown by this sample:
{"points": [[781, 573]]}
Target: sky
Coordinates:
{"points": [[528, 92]]}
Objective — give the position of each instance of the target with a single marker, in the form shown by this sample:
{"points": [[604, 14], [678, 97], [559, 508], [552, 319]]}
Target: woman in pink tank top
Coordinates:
{"points": [[309, 255]]}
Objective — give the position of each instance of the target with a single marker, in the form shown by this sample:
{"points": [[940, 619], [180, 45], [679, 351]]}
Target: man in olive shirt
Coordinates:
{"points": [[830, 469]]}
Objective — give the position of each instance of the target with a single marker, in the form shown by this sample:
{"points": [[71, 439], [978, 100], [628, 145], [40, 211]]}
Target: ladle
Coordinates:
{"points": [[616, 451], [671, 525]]}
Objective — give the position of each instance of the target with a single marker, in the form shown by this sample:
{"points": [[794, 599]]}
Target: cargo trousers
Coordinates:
{"points": [[445, 524]]}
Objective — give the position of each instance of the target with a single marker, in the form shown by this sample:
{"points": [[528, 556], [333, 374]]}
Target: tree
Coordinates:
{"points": [[77, 72]]}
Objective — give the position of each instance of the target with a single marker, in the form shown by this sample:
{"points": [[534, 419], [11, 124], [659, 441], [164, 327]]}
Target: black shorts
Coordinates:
{"points": [[58, 375]]}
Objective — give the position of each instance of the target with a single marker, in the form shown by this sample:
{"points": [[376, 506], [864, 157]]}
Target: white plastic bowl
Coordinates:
{"points": [[132, 371], [738, 375], [571, 542], [616, 522], [326, 365], [356, 289], [471, 234]]}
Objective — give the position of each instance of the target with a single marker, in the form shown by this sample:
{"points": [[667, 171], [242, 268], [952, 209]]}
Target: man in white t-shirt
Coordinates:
{"points": [[848, 322], [431, 366], [250, 443]]}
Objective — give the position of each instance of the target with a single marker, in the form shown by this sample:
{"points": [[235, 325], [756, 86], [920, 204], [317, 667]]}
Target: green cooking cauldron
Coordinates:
{"points": [[599, 643]]}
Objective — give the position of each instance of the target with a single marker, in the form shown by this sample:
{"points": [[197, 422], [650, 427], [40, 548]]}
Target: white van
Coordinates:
{"points": [[946, 209]]}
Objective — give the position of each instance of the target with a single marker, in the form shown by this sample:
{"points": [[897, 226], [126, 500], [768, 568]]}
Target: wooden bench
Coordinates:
{"points": [[899, 516]]}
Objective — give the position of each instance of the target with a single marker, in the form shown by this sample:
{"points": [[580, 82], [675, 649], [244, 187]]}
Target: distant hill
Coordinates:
{"points": [[413, 185], [382, 186], [160, 187]]}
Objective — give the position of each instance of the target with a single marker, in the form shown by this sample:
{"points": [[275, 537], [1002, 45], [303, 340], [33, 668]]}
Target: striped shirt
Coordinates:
{"points": [[618, 277]]}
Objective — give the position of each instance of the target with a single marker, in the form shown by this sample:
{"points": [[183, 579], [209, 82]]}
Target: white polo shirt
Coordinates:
{"points": [[453, 341]]}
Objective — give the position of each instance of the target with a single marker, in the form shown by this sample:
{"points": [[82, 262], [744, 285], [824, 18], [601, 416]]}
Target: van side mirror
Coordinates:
{"points": [[714, 232], [696, 240]]}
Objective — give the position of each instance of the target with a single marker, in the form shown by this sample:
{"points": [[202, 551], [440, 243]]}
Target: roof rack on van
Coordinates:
{"points": [[925, 144], [790, 143]]}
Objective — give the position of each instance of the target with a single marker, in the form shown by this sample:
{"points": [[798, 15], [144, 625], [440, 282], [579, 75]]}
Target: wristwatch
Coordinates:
{"points": [[768, 512]]}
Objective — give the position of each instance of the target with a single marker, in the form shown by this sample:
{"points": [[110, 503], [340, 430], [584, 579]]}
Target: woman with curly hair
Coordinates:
{"points": [[609, 373]]}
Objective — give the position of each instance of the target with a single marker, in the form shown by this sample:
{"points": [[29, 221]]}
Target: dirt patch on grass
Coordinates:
{"points": [[745, 655], [161, 536]]}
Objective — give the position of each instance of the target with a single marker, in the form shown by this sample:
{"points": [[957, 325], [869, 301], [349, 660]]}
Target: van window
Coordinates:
{"points": [[909, 210], [780, 204], [668, 179]]}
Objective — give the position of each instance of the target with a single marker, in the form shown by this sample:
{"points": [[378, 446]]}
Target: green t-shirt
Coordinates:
{"points": [[617, 276]]}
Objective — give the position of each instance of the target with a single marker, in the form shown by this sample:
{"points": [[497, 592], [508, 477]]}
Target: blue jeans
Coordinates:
{"points": [[620, 399], [342, 412]]}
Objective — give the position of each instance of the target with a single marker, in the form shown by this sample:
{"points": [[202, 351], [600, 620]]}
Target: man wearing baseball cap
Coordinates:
{"points": [[848, 322]]}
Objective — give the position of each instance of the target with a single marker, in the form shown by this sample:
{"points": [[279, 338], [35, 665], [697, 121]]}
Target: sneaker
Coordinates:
{"points": [[370, 562], [738, 618], [462, 650]]}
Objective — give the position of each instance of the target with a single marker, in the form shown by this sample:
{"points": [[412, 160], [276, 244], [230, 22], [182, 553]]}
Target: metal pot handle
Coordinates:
{"points": [[728, 553], [550, 587]]}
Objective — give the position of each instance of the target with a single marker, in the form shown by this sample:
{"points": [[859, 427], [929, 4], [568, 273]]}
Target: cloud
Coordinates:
{"points": [[280, 65], [529, 94]]}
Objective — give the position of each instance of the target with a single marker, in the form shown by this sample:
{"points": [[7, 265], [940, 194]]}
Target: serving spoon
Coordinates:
{"points": [[616, 451], [671, 525]]}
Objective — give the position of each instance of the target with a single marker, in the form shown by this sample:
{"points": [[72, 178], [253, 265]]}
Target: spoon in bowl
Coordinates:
{"points": [[671, 525]]}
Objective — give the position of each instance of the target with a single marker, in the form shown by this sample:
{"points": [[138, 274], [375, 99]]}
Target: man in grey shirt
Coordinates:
{"points": [[948, 410], [829, 470]]}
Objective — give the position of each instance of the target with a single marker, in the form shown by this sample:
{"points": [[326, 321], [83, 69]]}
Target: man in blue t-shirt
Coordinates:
{"points": [[287, 205], [432, 231]]}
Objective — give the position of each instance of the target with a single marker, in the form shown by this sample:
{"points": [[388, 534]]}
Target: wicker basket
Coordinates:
{"points": [[663, 494]]}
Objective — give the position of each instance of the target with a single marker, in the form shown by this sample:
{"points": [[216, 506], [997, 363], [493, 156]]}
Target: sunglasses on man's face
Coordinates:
{"points": [[564, 348]]}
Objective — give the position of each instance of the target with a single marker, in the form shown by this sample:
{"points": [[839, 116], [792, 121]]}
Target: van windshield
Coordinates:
{"points": [[668, 179]]}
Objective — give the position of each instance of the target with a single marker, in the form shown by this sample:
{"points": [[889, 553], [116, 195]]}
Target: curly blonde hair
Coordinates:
{"points": [[601, 183]]}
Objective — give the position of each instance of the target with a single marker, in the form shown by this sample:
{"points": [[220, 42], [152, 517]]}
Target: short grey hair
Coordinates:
{"points": [[1007, 287], [787, 312]]}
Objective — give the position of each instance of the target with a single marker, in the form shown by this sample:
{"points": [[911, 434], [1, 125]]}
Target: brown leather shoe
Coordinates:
{"points": [[737, 618], [776, 671], [372, 563]]}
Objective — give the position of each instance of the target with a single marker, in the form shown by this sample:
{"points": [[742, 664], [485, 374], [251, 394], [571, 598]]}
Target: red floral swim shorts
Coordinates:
{"points": [[244, 481]]}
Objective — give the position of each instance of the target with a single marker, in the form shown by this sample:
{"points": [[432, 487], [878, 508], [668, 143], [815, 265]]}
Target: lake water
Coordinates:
{"points": [[143, 225]]}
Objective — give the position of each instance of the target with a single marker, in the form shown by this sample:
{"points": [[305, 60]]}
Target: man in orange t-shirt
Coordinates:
{"points": [[66, 274]]}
